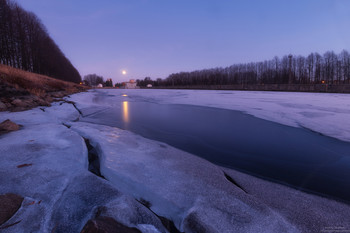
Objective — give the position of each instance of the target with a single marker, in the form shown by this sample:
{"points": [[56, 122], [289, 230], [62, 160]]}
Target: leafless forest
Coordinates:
{"points": [[329, 68], [26, 44]]}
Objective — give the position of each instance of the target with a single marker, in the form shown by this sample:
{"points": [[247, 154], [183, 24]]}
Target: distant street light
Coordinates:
{"points": [[124, 72]]}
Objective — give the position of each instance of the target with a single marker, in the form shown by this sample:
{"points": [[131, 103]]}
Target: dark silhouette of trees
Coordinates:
{"points": [[118, 85], [26, 44], [109, 83], [144, 82], [93, 80], [313, 69]]}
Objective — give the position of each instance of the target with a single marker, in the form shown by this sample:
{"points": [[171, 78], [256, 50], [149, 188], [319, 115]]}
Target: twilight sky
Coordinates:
{"points": [[158, 37]]}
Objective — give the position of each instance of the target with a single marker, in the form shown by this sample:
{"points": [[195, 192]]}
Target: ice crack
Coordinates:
{"points": [[229, 178], [94, 159]]}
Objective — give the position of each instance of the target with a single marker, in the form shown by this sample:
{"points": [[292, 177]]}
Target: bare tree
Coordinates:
{"points": [[93, 79], [345, 62], [290, 69], [310, 68]]}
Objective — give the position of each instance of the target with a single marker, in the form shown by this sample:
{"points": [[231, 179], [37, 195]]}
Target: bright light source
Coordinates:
{"points": [[124, 95], [124, 72]]}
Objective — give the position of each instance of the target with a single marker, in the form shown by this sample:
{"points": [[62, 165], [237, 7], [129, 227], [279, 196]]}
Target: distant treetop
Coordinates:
{"points": [[329, 68], [93, 79]]}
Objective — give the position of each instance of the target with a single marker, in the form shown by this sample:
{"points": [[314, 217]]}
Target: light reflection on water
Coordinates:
{"points": [[126, 111]]}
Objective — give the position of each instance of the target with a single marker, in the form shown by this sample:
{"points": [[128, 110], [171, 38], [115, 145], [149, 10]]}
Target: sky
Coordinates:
{"points": [[154, 38]]}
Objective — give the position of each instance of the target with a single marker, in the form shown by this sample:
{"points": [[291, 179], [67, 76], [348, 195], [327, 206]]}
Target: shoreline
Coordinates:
{"points": [[62, 150], [21, 90], [307, 88], [235, 139]]}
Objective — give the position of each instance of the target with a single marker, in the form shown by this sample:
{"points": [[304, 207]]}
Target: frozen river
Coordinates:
{"points": [[277, 136], [298, 157]]}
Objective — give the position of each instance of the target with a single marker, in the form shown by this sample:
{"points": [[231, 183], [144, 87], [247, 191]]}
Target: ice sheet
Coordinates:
{"points": [[182, 187], [325, 113], [47, 163], [191, 191]]}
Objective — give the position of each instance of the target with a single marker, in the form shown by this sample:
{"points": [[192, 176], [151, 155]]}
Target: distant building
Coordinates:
{"points": [[100, 85], [131, 84], [149, 85]]}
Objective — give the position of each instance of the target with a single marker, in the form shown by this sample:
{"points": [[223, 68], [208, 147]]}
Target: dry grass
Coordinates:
{"points": [[36, 84]]}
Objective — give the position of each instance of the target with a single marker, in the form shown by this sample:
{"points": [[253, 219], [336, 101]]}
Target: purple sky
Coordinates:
{"points": [[158, 37]]}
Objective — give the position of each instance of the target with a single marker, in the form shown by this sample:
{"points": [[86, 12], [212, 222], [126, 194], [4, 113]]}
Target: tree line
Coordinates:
{"points": [[329, 68], [94, 80], [26, 44]]}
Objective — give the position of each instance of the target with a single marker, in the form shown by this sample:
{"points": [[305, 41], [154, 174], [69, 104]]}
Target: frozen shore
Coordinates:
{"points": [[145, 181]]}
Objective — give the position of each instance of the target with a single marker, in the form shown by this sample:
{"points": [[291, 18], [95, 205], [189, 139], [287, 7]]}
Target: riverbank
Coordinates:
{"points": [[155, 188], [318, 88], [21, 90]]}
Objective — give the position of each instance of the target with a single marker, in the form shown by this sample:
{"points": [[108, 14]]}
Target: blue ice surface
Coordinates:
{"points": [[294, 156]]}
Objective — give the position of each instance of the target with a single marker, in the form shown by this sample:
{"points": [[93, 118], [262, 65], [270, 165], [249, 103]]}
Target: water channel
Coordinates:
{"points": [[297, 157]]}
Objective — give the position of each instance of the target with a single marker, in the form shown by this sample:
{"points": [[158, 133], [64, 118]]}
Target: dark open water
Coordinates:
{"points": [[298, 157]]}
